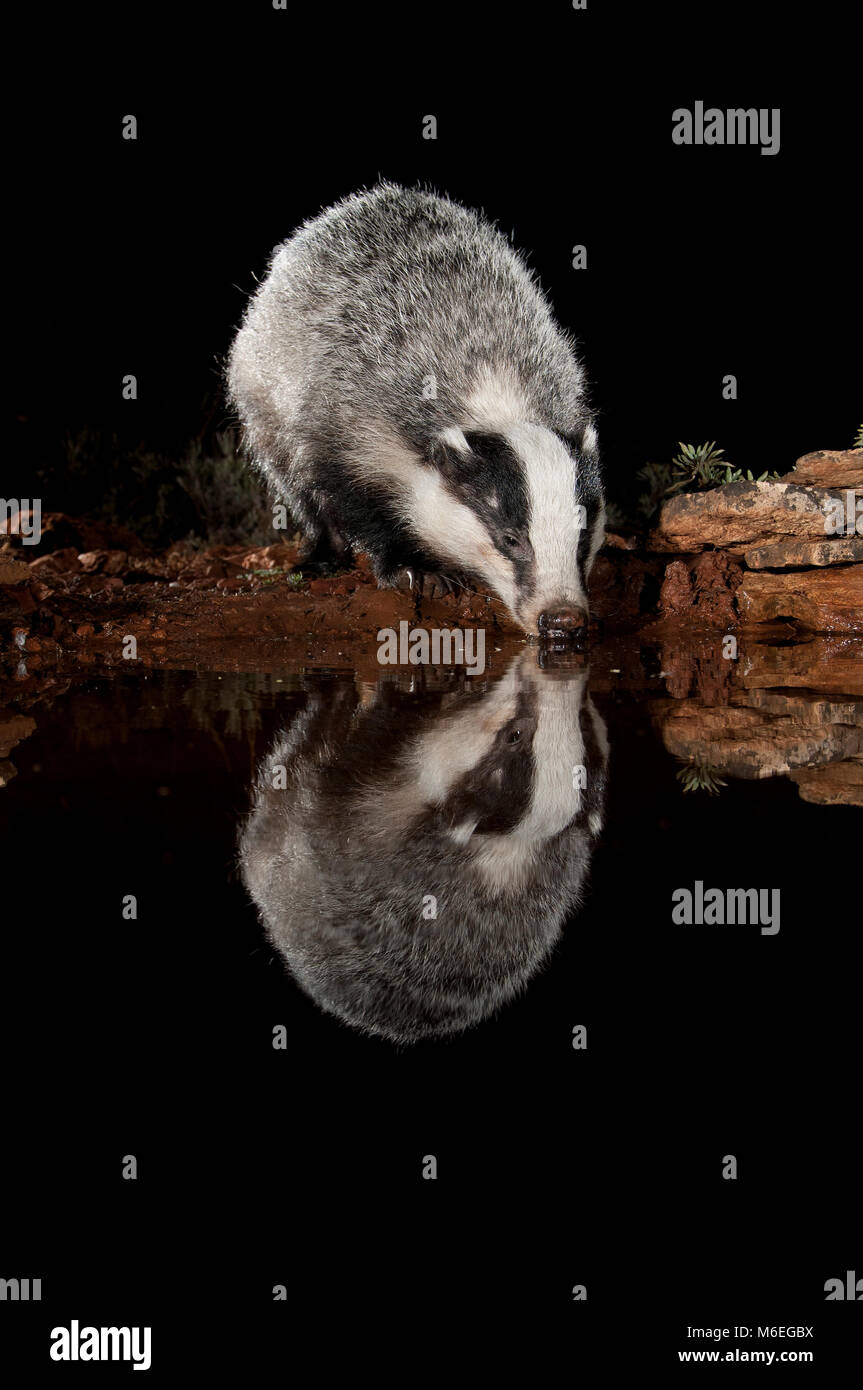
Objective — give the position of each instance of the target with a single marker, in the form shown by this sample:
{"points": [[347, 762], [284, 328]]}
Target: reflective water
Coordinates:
{"points": [[414, 847], [231, 897]]}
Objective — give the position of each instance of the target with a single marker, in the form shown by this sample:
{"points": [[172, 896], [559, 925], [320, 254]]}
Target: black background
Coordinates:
{"points": [[139, 256], [557, 1167]]}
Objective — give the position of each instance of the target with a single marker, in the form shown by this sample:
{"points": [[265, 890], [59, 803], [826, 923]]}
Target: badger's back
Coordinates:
{"points": [[400, 305]]}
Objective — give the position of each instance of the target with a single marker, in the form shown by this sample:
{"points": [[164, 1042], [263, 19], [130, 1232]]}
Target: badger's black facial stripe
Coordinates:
{"points": [[593, 506], [497, 471], [490, 479], [496, 792]]}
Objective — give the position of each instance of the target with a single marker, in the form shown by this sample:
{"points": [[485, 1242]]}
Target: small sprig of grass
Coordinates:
{"points": [[696, 775], [858, 441]]}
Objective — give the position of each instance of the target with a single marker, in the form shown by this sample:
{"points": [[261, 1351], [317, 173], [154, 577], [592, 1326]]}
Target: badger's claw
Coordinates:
{"points": [[424, 584], [404, 581]]}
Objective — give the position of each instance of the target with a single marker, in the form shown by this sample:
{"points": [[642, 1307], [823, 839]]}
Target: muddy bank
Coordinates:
{"points": [[749, 556]]}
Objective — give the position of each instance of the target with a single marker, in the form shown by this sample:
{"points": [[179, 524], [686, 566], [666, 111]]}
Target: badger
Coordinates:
{"points": [[403, 386], [413, 857]]}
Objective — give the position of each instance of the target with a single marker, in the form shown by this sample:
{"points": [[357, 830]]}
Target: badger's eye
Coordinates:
{"points": [[511, 539], [514, 736]]}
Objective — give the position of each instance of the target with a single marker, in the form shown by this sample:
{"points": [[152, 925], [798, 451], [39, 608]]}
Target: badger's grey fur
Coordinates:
{"points": [[481, 808], [405, 389]]}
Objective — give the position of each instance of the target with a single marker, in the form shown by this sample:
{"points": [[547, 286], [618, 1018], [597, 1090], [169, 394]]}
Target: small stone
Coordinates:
{"points": [[615, 541], [13, 571], [13, 729], [63, 561], [91, 560]]}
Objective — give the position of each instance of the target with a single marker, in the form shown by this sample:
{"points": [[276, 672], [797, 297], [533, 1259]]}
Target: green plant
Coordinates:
{"points": [[699, 466], [697, 775], [858, 442], [736, 475], [695, 468], [296, 580]]}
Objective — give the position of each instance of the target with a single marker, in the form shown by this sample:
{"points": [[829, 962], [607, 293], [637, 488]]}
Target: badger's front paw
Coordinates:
{"points": [[425, 583]]}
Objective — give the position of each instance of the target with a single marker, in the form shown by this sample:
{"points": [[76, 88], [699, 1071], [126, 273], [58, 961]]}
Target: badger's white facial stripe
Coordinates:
{"points": [[446, 526], [451, 529], [447, 752], [556, 796], [436, 760], [555, 517], [558, 749]]}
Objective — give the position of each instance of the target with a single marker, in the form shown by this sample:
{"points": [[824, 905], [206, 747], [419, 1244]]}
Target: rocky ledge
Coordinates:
{"points": [[754, 553]]}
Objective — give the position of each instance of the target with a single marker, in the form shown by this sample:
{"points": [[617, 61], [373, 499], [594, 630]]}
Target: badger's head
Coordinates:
{"points": [[524, 511]]}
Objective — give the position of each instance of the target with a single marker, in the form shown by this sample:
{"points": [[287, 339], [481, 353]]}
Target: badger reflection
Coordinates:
{"points": [[413, 858]]}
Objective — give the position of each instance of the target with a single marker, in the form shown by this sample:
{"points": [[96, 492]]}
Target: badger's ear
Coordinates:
{"points": [[582, 441], [456, 439], [575, 441]]}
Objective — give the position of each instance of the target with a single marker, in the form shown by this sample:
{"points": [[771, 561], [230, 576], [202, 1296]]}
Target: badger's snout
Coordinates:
{"points": [[562, 622]]}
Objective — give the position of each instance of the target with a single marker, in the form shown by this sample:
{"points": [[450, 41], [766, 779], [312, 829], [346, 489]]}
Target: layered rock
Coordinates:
{"points": [[844, 550], [816, 739], [837, 784], [737, 517], [783, 551], [754, 743], [828, 468], [823, 600]]}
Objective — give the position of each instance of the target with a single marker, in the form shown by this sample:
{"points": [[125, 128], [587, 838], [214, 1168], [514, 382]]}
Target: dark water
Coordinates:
{"points": [[302, 1165]]}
